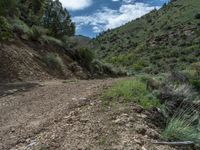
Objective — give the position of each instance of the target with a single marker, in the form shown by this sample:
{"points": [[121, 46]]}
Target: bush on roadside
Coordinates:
{"points": [[184, 125], [85, 57], [54, 61]]}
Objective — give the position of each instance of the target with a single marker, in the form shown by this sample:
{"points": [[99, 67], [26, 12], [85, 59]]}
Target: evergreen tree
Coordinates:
{"points": [[8, 7], [32, 11], [57, 19]]}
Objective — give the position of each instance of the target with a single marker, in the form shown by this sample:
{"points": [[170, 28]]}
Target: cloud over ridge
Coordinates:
{"points": [[76, 4], [106, 18]]}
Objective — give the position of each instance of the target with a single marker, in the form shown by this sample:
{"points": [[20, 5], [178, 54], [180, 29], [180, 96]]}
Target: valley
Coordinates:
{"points": [[134, 87]]}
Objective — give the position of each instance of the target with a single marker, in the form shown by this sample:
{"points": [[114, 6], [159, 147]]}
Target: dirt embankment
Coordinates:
{"points": [[21, 61], [68, 115]]}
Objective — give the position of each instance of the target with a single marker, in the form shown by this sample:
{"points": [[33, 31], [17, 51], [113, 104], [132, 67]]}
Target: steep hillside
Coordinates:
{"points": [[37, 41], [33, 61], [156, 42]]}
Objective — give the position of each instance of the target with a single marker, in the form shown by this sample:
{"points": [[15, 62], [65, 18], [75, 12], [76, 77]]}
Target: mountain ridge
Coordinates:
{"points": [[161, 34]]}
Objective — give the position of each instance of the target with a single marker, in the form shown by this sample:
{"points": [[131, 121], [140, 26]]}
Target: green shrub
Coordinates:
{"points": [[69, 42], [51, 40], [37, 32], [54, 61], [85, 57], [180, 130], [184, 125], [106, 68], [21, 28], [131, 91], [197, 16], [196, 67], [5, 29], [139, 65], [196, 84], [194, 75], [8, 7], [123, 59]]}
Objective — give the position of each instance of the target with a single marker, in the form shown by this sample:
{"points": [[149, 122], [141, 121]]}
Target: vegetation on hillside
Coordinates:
{"points": [[46, 22], [37, 17], [165, 46], [160, 42], [131, 91], [157, 42], [172, 99]]}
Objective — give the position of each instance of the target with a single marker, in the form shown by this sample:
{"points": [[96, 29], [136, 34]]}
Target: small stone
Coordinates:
{"points": [[84, 120], [12, 130], [11, 91], [119, 121], [74, 99], [153, 134], [138, 110], [141, 130], [143, 148]]}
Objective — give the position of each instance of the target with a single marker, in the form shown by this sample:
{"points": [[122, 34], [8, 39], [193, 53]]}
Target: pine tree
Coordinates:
{"points": [[32, 11], [57, 19], [8, 7]]}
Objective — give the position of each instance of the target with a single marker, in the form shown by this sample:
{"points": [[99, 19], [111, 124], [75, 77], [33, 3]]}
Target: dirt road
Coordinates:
{"points": [[66, 115]]}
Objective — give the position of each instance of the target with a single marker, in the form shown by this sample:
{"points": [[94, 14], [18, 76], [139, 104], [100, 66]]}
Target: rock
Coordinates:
{"points": [[142, 116], [11, 91], [143, 148], [141, 130], [12, 130], [138, 109], [122, 119], [118, 121], [74, 99], [84, 120], [152, 134]]}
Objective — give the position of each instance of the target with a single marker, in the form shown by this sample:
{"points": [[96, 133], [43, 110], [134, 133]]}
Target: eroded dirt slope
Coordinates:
{"points": [[27, 62], [67, 115]]}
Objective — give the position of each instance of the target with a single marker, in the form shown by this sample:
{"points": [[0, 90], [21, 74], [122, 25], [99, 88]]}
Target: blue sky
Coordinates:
{"points": [[94, 16]]}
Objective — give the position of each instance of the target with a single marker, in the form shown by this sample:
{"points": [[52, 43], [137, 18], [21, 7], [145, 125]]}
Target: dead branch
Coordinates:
{"points": [[185, 143]]}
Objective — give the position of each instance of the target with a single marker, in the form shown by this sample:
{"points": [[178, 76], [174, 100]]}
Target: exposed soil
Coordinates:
{"points": [[22, 61], [68, 115]]}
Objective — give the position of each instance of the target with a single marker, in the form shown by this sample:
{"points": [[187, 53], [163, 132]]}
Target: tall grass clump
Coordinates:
{"points": [[130, 91], [184, 125]]}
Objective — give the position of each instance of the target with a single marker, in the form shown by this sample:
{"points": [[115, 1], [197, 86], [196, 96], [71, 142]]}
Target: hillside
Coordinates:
{"points": [[156, 42], [58, 93], [38, 42]]}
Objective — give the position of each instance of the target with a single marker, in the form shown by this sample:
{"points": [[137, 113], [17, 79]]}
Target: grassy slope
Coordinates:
{"points": [[156, 41]]}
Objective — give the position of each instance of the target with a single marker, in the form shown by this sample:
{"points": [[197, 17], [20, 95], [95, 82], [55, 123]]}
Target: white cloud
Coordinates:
{"points": [[76, 4], [128, 1], [108, 18]]}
